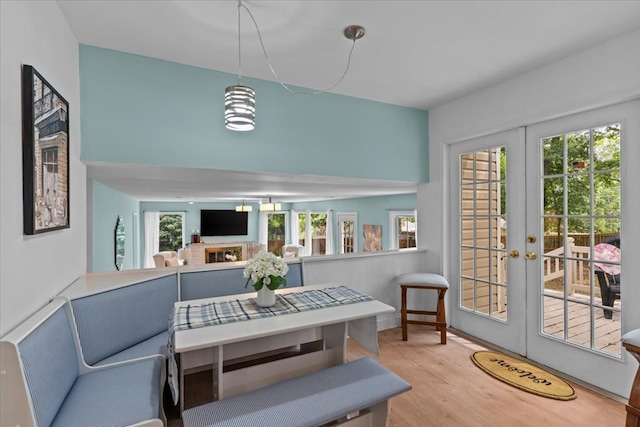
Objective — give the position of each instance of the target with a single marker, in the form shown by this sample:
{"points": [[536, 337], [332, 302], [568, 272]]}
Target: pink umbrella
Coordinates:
{"points": [[608, 253]]}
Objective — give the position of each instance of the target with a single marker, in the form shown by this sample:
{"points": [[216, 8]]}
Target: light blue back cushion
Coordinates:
{"points": [[216, 283], [50, 365], [113, 321], [116, 396]]}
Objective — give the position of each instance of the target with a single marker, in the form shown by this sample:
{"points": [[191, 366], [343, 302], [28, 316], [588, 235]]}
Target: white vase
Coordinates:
{"points": [[266, 297]]}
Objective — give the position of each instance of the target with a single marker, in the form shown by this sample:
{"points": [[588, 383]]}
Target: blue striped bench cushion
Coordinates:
{"points": [[309, 400]]}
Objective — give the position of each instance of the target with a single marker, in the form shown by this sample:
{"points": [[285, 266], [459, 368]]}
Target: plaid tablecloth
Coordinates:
{"points": [[217, 313]]}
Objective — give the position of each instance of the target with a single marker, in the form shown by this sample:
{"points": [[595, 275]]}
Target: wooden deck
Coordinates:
{"points": [[607, 331]]}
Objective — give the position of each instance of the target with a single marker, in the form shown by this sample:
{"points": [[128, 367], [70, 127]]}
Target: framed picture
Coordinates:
{"points": [[45, 155], [372, 238]]}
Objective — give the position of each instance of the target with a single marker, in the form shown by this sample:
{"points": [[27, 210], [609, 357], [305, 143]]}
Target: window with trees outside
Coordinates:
{"points": [[312, 232], [402, 226], [171, 231], [276, 232]]}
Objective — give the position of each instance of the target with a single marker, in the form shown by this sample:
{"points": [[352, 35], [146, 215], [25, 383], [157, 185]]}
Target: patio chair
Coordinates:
{"points": [[609, 283]]}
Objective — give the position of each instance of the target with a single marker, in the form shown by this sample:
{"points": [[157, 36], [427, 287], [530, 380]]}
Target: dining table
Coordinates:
{"points": [[249, 347]]}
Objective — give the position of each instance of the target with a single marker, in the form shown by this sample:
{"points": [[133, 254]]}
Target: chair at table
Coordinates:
{"points": [[609, 283]]}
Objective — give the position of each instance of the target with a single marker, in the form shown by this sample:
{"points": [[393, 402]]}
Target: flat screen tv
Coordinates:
{"points": [[223, 223]]}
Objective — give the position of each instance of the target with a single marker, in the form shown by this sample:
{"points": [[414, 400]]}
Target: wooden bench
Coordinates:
{"points": [[352, 394]]}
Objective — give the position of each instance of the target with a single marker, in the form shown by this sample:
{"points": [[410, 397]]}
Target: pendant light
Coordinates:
{"points": [[270, 207], [243, 208], [239, 100]]}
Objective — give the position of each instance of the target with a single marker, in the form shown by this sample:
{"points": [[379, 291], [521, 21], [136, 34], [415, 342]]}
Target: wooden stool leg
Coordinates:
{"points": [[441, 317], [403, 314]]}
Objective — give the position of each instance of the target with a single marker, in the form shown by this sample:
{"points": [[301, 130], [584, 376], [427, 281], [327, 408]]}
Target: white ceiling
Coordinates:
{"points": [[415, 53]]}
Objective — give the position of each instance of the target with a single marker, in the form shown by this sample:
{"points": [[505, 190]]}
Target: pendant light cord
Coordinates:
{"points": [[239, 47], [273, 71]]}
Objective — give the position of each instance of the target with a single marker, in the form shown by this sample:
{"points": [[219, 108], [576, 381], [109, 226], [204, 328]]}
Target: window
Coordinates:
{"points": [[314, 232], [276, 232], [347, 225], [171, 231], [402, 226]]}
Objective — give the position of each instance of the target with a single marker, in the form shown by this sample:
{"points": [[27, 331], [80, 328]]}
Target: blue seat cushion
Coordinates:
{"points": [[154, 345], [310, 400], [114, 396]]}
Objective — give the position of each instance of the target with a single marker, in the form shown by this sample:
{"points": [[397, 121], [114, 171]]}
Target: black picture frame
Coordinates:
{"points": [[45, 155]]}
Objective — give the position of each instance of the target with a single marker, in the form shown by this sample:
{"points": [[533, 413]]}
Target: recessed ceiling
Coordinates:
{"points": [[418, 54]]}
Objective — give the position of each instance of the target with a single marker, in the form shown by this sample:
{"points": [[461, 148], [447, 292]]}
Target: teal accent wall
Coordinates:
{"points": [[107, 204], [141, 110]]}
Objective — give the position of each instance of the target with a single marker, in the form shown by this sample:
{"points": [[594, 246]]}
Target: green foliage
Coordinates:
{"points": [[275, 283], [582, 163], [170, 232], [318, 225], [276, 226]]}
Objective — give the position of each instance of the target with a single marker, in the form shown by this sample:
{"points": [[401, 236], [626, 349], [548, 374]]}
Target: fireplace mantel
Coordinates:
{"points": [[199, 250]]}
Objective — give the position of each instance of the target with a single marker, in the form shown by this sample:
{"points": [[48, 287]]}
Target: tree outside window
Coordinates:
{"points": [[171, 231], [276, 233]]}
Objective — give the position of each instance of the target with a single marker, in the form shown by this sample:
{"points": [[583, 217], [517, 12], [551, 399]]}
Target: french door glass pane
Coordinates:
{"points": [[347, 236], [483, 232], [581, 184]]}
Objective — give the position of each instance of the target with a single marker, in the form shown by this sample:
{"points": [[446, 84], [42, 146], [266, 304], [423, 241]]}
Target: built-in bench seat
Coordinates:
{"points": [[105, 339], [209, 283], [362, 386], [125, 322], [130, 320], [45, 381]]}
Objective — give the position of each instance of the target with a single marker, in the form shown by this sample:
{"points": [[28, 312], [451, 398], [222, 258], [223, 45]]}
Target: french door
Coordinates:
{"points": [[582, 176], [487, 206], [527, 212]]}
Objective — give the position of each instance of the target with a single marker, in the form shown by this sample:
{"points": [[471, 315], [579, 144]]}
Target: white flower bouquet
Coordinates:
{"points": [[266, 269]]}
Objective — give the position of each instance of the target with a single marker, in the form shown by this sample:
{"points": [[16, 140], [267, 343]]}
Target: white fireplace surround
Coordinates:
{"points": [[199, 250]]}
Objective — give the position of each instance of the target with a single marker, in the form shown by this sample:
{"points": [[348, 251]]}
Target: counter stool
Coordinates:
{"points": [[424, 281]]}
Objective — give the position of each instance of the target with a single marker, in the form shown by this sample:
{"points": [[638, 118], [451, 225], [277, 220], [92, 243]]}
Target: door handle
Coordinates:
{"points": [[530, 255], [514, 254]]}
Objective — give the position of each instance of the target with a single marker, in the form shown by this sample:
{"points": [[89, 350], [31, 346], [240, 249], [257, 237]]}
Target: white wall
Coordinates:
{"points": [[602, 75], [373, 273], [34, 268]]}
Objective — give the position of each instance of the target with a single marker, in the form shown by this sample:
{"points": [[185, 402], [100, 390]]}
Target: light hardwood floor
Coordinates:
{"points": [[449, 390]]}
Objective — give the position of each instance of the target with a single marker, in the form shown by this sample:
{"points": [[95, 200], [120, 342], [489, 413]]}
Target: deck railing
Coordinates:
{"points": [[573, 259]]}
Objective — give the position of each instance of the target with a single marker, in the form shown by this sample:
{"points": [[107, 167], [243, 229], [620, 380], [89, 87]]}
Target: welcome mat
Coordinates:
{"points": [[523, 375]]}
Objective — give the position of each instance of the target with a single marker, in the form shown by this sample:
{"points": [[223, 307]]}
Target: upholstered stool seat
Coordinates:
{"points": [[424, 281]]}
